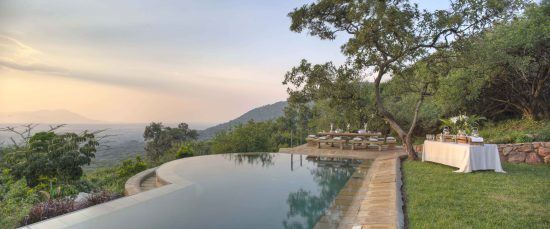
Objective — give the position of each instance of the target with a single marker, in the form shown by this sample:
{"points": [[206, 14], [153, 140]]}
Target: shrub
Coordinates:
{"points": [[16, 198], [131, 167], [184, 150], [56, 207], [101, 197], [48, 209]]}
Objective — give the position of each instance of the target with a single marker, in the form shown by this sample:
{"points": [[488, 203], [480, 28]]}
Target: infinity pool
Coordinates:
{"points": [[265, 190]]}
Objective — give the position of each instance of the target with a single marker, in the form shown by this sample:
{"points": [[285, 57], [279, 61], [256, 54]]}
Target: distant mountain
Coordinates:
{"points": [[45, 116], [263, 113]]}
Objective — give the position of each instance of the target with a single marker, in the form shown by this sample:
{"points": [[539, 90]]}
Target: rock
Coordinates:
{"points": [[506, 150], [503, 158], [82, 196], [536, 145], [543, 151], [516, 157], [547, 159], [546, 144], [532, 158], [526, 147]]}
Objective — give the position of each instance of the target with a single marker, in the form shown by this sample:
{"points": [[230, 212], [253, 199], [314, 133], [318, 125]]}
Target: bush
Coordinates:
{"points": [[184, 150], [16, 198], [100, 197], [131, 167], [56, 207], [48, 209]]}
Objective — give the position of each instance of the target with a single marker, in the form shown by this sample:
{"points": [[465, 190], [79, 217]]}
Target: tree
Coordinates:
{"points": [[387, 36], [513, 60], [52, 156], [249, 137], [160, 138]]}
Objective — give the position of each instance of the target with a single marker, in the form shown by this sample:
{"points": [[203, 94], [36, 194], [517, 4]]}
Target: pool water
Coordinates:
{"points": [[265, 190]]}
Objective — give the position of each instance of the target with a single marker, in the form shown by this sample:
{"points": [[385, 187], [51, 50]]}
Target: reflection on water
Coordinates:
{"points": [[263, 190], [331, 175], [263, 159]]}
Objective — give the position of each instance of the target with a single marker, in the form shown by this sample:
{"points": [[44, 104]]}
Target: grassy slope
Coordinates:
{"points": [[511, 131], [439, 198]]}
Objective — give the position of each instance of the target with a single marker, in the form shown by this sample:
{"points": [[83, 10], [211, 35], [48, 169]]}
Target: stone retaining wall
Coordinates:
{"points": [[530, 153]]}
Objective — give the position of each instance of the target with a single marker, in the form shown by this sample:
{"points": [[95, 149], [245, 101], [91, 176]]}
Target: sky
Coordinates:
{"points": [[140, 61]]}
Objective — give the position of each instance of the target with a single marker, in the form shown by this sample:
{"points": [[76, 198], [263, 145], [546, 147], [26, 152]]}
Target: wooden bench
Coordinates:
{"points": [[368, 143], [332, 141], [311, 141]]}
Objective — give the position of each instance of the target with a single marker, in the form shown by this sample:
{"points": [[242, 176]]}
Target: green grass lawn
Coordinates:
{"points": [[436, 197]]}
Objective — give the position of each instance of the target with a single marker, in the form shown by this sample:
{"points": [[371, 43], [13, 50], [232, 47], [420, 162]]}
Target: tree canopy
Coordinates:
{"points": [[160, 138], [388, 37]]}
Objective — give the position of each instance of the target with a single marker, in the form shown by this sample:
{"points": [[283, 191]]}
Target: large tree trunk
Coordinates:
{"points": [[405, 136]]}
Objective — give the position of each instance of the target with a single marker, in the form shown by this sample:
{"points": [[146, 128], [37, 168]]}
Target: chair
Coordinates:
{"points": [[356, 141], [338, 140], [390, 142], [311, 140], [374, 142]]}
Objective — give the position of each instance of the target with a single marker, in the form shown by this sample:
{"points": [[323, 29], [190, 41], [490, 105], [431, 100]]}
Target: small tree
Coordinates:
{"points": [[387, 36], [51, 156], [160, 138]]}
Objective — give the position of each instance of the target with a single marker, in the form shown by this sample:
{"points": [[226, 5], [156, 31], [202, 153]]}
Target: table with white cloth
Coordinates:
{"points": [[465, 157]]}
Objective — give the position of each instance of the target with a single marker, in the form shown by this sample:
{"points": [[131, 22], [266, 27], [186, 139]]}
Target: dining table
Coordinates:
{"points": [[349, 134], [465, 157]]}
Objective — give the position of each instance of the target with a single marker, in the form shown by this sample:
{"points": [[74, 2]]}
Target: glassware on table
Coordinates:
{"points": [[446, 130], [430, 137], [475, 132]]}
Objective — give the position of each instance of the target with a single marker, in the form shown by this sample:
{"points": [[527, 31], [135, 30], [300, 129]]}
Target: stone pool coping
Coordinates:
{"points": [[383, 205]]}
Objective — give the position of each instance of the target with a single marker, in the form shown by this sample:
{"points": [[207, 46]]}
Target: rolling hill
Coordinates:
{"points": [[45, 116], [263, 113]]}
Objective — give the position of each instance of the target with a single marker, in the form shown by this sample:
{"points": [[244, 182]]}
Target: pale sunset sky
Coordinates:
{"points": [[140, 61]]}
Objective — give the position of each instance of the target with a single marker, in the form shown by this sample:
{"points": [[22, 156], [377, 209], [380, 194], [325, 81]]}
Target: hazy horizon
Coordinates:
{"points": [[141, 61]]}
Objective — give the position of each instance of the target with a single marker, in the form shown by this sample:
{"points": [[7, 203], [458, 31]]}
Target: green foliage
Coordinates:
{"points": [[16, 198], [159, 138], [462, 123], [439, 198], [251, 137], [504, 71], [131, 167], [184, 150], [49, 156], [516, 131]]}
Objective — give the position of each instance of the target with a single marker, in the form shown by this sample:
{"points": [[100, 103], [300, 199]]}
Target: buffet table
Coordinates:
{"points": [[465, 157]]}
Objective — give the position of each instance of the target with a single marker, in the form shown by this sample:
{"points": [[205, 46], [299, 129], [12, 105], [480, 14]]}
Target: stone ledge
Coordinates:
{"points": [[383, 205], [133, 185]]}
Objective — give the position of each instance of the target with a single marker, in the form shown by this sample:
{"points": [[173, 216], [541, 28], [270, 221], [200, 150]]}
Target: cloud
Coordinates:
{"points": [[18, 56]]}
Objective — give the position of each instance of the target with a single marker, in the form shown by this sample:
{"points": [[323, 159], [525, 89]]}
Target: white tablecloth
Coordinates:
{"points": [[465, 157]]}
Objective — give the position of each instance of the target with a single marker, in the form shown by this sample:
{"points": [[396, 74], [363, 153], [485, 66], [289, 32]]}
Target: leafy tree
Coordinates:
{"points": [[50, 156], [507, 69], [160, 138], [249, 137], [387, 36]]}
